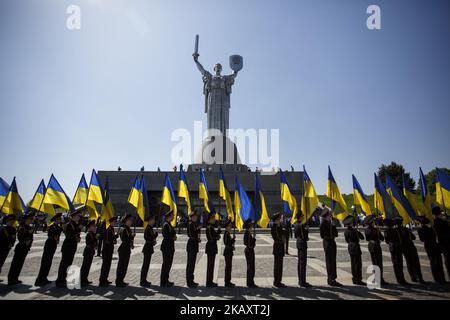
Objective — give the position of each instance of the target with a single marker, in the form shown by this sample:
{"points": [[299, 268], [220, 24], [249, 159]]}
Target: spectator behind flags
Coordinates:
{"points": [[309, 199], [224, 193], [242, 206], [37, 201], [338, 204], [13, 203], [107, 206], [168, 198], [4, 189], [360, 198], [426, 198], [442, 189], [204, 194], [261, 216], [287, 197], [399, 201], [381, 200], [55, 195], [94, 195], [183, 189]]}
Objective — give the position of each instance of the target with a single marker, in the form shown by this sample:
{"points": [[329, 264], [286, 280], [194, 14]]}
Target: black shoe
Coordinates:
{"points": [[61, 284], [334, 283], [404, 283], [252, 285], [121, 284], [40, 283], [84, 284], [14, 282], [167, 284], [145, 284], [414, 280], [280, 285], [192, 285], [305, 285], [230, 285], [360, 283], [104, 284], [211, 285], [384, 283]]}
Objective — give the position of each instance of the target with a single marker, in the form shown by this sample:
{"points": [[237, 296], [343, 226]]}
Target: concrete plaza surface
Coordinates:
{"points": [[316, 275]]}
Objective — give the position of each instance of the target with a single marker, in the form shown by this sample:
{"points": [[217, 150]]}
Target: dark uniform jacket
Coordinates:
{"points": [[249, 241], [127, 238], [91, 243], [277, 235], [328, 232], [393, 239], [212, 236], [374, 236], [228, 241], [150, 240], [54, 232], [301, 233], [352, 237], [193, 232], [428, 236], [7, 237], [110, 239], [25, 237], [169, 235], [442, 228], [407, 237], [72, 232]]}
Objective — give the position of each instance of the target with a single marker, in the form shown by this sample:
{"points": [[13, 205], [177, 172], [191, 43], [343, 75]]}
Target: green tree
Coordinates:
{"points": [[395, 171]]}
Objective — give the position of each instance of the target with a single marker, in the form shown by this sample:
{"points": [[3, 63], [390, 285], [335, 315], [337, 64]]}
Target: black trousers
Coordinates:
{"points": [[413, 263], [437, 268], [447, 261], [3, 255], [46, 260], [166, 266], [190, 266], [210, 268], [107, 255], [301, 266], [99, 246], [356, 263], [66, 261], [250, 259], [145, 266], [397, 263], [376, 256], [122, 265], [277, 269], [17, 264], [228, 267], [286, 244], [329, 247], [86, 266]]}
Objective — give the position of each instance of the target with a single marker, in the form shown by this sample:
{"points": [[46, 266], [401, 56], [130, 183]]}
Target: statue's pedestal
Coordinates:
{"points": [[217, 151]]}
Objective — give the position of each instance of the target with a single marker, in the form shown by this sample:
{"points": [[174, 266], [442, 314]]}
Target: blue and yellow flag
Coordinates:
{"points": [[410, 196], [287, 197], [107, 206], [360, 198], [133, 197], [426, 197], [168, 198], [261, 215], [338, 204], [242, 206], [4, 189], [204, 194], [381, 200], [183, 189], [38, 199], [224, 193], [442, 189], [80, 196], [309, 199], [95, 191], [13, 203], [55, 195], [404, 208]]}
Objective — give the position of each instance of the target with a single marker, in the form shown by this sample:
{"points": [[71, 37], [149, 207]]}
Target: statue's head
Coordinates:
{"points": [[218, 68]]}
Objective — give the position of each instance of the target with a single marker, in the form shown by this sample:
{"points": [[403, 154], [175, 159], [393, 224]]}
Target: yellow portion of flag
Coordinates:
{"points": [[225, 195]]}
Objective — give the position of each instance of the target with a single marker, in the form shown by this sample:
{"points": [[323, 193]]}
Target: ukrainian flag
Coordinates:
{"points": [[309, 199], [82, 192], [13, 203], [55, 195], [183, 189], [360, 198], [399, 201], [95, 192], [287, 197], [168, 198], [410, 196], [107, 206], [261, 215], [426, 197], [442, 189], [38, 199], [134, 198], [204, 194], [4, 189], [225, 194], [242, 206], [338, 205]]}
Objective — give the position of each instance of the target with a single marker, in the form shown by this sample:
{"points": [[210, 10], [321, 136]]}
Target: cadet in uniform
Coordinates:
{"points": [[193, 231], [249, 242], [328, 232], [125, 247], [168, 249], [374, 236], [228, 241], [428, 236], [301, 234], [287, 232], [278, 250], [352, 237], [25, 238], [88, 253], [211, 249], [69, 248], [110, 239], [101, 225], [442, 228], [150, 241], [53, 233], [7, 237], [393, 239]]}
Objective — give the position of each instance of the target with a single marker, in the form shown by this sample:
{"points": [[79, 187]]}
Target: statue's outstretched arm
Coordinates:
{"points": [[199, 66]]}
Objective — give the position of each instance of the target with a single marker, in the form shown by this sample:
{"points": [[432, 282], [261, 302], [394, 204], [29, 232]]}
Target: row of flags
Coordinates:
{"points": [[388, 199]]}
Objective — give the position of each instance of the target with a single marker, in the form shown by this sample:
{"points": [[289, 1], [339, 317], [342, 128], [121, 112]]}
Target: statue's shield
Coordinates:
{"points": [[236, 62]]}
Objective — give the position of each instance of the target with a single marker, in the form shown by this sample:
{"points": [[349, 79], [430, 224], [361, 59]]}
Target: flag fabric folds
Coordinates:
{"points": [[261, 215], [224, 193], [287, 197], [399, 201], [183, 189], [4, 189], [442, 189], [426, 197], [55, 195], [168, 198], [410, 196], [203, 194], [13, 203], [338, 204], [107, 206], [95, 192], [360, 198], [242, 206], [37, 201], [81, 193], [381, 200], [309, 199]]}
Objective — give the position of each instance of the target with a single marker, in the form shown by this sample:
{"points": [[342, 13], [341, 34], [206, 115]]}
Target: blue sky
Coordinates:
{"points": [[111, 93]]}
